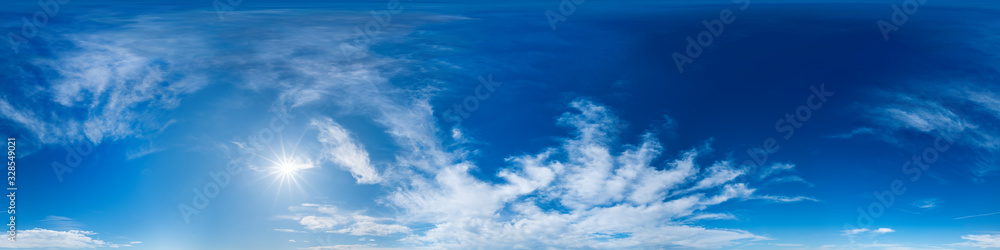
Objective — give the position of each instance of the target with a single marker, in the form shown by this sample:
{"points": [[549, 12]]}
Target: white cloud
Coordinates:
{"points": [[369, 227], [122, 88], [623, 196], [855, 231], [343, 150], [776, 168], [855, 132], [318, 222], [44, 238], [927, 120], [579, 194], [961, 112], [890, 246], [22, 115], [785, 198], [981, 240], [866, 231], [330, 219], [120, 83], [370, 246], [718, 174], [588, 191], [788, 245], [711, 216], [927, 203], [790, 179], [977, 215], [596, 192], [61, 223]]}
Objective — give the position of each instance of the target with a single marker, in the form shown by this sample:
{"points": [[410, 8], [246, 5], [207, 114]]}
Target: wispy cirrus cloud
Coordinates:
{"points": [[105, 86], [61, 223], [340, 148], [977, 215], [966, 111]]}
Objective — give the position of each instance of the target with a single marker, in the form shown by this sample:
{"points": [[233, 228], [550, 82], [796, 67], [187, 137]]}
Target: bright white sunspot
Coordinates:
{"points": [[286, 168], [290, 166]]}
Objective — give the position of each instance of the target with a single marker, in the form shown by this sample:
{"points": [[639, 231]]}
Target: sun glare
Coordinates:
{"points": [[287, 167]]}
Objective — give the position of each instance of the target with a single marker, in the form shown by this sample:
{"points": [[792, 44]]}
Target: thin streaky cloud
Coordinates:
{"points": [[978, 215]]}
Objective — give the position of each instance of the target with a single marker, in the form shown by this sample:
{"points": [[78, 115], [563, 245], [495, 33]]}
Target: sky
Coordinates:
{"points": [[562, 124]]}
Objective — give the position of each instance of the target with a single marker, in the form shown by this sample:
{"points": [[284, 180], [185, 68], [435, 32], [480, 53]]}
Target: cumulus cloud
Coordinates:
{"points": [[345, 151], [318, 222]]}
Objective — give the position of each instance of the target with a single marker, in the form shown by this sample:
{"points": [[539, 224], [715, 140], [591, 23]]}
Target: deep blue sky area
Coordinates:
{"points": [[503, 124]]}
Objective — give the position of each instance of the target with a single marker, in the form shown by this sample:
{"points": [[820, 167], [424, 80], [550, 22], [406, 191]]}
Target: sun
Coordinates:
{"points": [[287, 168]]}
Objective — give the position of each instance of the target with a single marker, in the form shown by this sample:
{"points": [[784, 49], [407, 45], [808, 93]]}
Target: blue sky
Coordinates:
{"points": [[457, 125]]}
